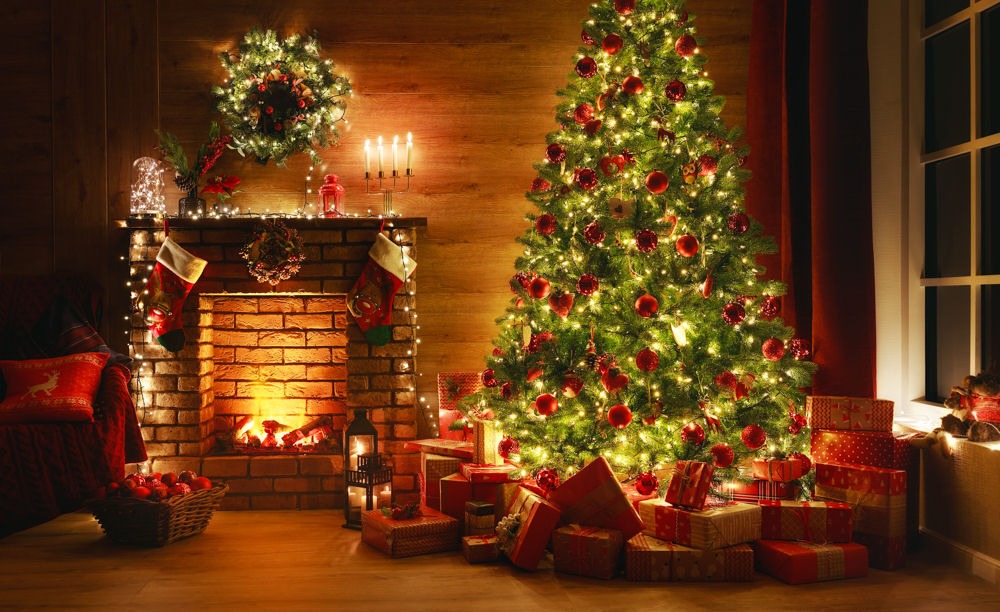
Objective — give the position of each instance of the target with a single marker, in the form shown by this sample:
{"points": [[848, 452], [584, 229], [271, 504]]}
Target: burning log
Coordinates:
{"points": [[298, 436]]}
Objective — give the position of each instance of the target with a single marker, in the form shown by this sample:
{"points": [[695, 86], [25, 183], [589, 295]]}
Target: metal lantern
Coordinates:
{"points": [[367, 480]]}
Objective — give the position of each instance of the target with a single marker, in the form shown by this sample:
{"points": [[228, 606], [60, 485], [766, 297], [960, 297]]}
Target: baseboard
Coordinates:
{"points": [[961, 556]]}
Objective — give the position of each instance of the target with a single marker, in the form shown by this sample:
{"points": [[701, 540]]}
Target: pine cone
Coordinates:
{"points": [[185, 182]]}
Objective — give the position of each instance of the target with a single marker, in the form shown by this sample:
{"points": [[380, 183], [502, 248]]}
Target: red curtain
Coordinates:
{"points": [[808, 131]]}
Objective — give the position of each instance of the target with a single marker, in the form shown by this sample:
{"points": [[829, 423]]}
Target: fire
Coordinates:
{"points": [[273, 434]]}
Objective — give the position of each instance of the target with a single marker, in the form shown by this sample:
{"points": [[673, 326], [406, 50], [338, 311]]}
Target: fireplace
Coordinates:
{"points": [[261, 393]]}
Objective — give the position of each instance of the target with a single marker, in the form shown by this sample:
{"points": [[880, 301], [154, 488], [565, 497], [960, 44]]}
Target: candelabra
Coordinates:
{"points": [[387, 183]]}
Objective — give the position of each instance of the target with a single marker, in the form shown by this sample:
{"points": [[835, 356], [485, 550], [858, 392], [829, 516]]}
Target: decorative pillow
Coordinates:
{"points": [[46, 390], [62, 330]]}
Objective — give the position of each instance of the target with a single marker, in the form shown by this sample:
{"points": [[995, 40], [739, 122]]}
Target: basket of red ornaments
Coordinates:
{"points": [[156, 509]]}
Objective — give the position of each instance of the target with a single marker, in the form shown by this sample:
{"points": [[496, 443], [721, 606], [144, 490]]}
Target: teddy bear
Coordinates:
{"points": [[977, 393]]}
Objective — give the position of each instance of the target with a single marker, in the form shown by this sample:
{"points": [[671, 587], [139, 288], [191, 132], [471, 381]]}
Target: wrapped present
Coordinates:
{"points": [[802, 562], [453, 386], [715, 527], [884, 552], [432, 469], [587, 551], [526, 527], [480, 548], [478, 473], [904, 455], [651, 559], [479, 518], [452, 425], [778, 470], [816, 522], [437, 446], [757, 490], [874, 448], [689, 484], [849, 413], [593, 497], [634, 497], [485, 440], [456, 490], [648, 559], [428, 533]]}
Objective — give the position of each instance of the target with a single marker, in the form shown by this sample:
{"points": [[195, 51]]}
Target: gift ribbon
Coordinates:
{"points": [[830, 561], [805, 515]]}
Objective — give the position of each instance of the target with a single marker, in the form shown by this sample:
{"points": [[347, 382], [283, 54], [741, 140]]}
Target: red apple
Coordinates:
{"points": [[169, 479], [201, 482]]}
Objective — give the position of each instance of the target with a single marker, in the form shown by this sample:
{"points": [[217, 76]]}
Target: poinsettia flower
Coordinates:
{"points": [[222, 186]]}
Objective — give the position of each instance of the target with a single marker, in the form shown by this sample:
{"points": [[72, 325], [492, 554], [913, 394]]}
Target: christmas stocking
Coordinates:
{"points": [[176, 271], [370, 300]]}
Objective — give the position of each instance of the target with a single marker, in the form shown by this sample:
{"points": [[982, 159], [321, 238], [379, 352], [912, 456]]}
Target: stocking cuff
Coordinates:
{"points": [[182, 263], [391, 257]]}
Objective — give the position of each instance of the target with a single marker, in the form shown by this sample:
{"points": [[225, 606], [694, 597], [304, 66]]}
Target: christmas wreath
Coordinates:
{"points": [[281, 98], [274, 252]]}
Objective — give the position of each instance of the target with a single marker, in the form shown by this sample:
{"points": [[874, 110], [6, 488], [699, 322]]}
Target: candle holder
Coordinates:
{"points": [[360, 487], [386, 186]]}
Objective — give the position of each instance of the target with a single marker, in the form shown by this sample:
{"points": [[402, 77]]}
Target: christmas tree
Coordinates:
{"points": [[641, 328]]}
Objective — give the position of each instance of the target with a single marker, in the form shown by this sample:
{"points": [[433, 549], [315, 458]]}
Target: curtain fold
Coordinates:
{"points": [[808, 131]]}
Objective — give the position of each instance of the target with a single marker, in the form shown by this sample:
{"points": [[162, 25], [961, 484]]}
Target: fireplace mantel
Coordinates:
{"points": [[240, 222]]}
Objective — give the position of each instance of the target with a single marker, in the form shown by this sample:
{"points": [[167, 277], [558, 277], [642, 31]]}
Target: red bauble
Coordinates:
{"points": [[546, 404], [770, 306], [753, 436], [803, 459], [520, 279], [657, 182], [561, 302], [611, 166], [619, 416], [592, 127], [707, 165], [594, 233], [555, 153], [586, 38], [725, 380], [738, 223], [489, 378], [646, 306], [539, 288], [773, 349], [706, 286], [686, 45], [798, 422], [675, 91], [586, 178], [645, 240], [687, 245], [723, 455], [181, 488], [800, 348], [614, 380], [586, 67], [646, 483], [508, 446], [583, 113], [733, 313], [612, 44], [539, 185], [200, 483], [588, 284], [624, 7], [547, 479], [572, 385], [693, 433], [506, 391], [545, 224], [646, 360], [632, 85]]}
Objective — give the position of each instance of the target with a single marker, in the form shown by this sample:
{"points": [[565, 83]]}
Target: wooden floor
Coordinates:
{"points": [[304, 560]]}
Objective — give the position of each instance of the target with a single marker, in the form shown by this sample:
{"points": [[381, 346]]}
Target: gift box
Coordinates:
{"points": [[816, 522], [849, 413], [802, 562], [453, 386], [757, 490], [651, 559], [485, 473], [428, 533], [874, 448], [689, 484], [485, 440], [715, 527], [884, 552], [534, 520], [634, 497], [432, 469], [452, 425], [479, 518], [778, 470], [480, 548], [587, 551], [456, 490], [437, 446], [593, 497]]}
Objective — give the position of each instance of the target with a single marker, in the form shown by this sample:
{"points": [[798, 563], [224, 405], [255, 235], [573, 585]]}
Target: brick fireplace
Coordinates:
{"points": [[291, 356]]}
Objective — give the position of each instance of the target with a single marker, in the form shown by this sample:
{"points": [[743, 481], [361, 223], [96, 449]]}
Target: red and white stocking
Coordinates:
{"points": [[370, 300], [175, 272]]}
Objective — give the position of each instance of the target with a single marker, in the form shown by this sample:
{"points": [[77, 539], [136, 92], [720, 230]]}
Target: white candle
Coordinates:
{"points": [[368, 157], [395, 143], [385, 497], [380, 156], [409, 152]]}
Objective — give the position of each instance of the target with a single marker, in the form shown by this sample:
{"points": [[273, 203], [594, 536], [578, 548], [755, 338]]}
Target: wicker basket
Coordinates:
{"points": [[142, 522]]}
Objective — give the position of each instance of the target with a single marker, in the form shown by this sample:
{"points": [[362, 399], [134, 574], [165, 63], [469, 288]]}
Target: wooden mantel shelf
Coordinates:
{"points": [[152, 223]]}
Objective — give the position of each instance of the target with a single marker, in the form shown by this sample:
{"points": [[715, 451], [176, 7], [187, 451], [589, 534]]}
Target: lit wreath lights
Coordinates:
{"points": [[274, 252]]}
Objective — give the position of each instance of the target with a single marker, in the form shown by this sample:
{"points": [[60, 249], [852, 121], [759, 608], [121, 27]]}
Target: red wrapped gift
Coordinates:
{"points": [[587, 551], [802, 562], [452, 425], [856, 483], [884, 552], [817, 522], [778, 470], [634, 497], [453, 386], [689, 484], [874, 448], [533, 519], [594, 497], [903, 454], [455, 490], [849, 413], [432, 469], [716, 527], [757, 490], [651, 559], [428, 533], [451, 448], [648, 559], [479, 473], [480, 548]]}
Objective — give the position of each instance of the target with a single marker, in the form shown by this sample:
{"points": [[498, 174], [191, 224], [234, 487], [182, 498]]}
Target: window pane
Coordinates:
{"points": [[989, 219], [989, 80], [946, 217], [947, 339], [946, 97], [936, 10], [991, 328]]}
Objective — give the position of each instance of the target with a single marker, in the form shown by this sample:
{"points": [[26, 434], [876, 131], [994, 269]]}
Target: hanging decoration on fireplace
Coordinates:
{"points": [[281, 97], [274, 252]]}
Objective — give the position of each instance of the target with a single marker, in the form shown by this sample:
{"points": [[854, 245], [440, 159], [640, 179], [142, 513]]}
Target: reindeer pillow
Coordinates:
{"points": [[47, 390]]}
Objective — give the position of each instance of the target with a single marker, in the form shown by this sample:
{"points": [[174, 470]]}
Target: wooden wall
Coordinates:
{"points": [[475, 82]]}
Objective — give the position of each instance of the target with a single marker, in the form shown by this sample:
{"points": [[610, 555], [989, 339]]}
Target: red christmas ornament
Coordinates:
{"points": [[800, 348], [561, 302], [646, 306], [592, 127], [572, 385], [706, 286], [693, 433], [657, 182], [555, 153], [508, 446], [707, 165], [520, 279], [587, 285], [534, 374], [539, 288], [624, 7], [614, 380], [583, 113], [545, 224], [725, 380], [498, 352], [507, 391], [611, 166], [547, 479], [733, 313], [753, 436], [738, 223], [647, 360], [645, 240], [632, 85], [687, 245], [586, 67], [773, 349], [619, 416], [803, 459], [798, 422], [539, 184], [594, 233], [489, 378], [665, 134], [770, 306], [546, 404], [612, 44], [675, 91], [586, 178], [646, 483], [586, 38], [686, 45], [723, 455]]}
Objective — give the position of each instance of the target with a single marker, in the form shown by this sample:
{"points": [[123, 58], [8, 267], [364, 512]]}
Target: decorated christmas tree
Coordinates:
{"points": [[641, 328]]}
